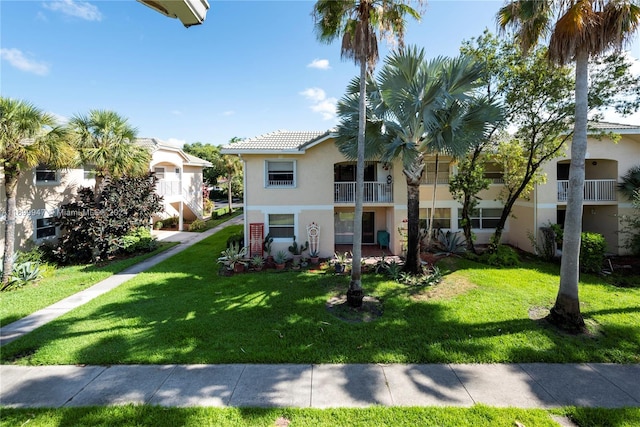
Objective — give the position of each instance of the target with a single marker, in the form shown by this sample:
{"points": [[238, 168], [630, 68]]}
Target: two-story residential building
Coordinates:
{"points": [[42, 191], [293, 179]]}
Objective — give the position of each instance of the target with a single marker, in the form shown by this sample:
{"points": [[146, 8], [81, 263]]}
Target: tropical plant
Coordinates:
{"points": [[257, 262], [24, 273], [296, 249], [410, 104], [356, 22], [450, 243], [232, 255], [93, 231], [583, 28], [280, 258], [630, 183], [197, 225], [592, 252], [106, 141], [28, 137], [631, 226]]}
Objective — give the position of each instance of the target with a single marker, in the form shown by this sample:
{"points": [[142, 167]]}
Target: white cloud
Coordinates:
{"points": [[176, 112], [78, 9], [16, 58], [228, 113], [320, 103], [321, 64], [60, 119]]}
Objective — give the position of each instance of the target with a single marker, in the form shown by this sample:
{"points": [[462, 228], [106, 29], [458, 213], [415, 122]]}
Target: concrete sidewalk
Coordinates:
{"points": [[27, 324], [533, 385]]}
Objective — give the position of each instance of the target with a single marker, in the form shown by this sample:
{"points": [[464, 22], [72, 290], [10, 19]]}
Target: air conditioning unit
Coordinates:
{"points": [[189, 12]]}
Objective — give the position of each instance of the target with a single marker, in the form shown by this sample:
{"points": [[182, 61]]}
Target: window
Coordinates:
{"points": [[441, 218], [430, 171], [89, 171], [280, 174], [46, 175], [484, 218], [281, 225], [493, 172], [45, 227], [159, 172]]}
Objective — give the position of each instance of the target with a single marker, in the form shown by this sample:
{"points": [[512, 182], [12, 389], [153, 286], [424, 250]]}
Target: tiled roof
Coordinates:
{"points": [[280, 140], [154, 144], [606, 126]]}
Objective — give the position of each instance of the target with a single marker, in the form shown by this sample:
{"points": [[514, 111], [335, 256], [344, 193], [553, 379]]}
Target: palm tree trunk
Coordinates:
{"points": [[433, 206], [11, 189], [412, 261], [566, 311], [355, 287], [229, 194]]}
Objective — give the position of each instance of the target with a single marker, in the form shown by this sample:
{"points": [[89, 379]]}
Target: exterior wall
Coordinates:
{"points": [[40, 200]]}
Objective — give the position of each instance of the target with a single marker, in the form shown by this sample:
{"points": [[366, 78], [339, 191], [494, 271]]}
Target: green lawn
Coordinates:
{"points": [[62, 283], [182, 311], [477, 416]]}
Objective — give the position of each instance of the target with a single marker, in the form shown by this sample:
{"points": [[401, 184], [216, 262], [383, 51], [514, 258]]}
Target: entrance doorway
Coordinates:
{"points": [[343, 228]]}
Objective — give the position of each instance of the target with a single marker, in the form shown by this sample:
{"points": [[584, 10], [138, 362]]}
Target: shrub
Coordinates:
{"points": [[197, 225], [93, 230], [139, 240], [158, 225], [23, 273], [592, 250], [503, 256], [172, 221]]}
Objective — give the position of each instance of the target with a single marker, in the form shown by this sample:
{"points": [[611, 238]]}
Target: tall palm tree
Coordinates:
{"points": [[415, 107], [579, 29], [630, 183], [358, 23], [106, 141], [28, 137]]}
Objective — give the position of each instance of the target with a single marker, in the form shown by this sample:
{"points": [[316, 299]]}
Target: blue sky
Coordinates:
{"points": [[253, 66]]}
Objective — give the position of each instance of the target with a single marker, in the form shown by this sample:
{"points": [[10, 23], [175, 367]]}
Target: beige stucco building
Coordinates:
{"points": [[42, 191], [293, 179]]}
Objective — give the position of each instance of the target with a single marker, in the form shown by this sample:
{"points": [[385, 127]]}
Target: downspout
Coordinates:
{"points": [[244, 201]]}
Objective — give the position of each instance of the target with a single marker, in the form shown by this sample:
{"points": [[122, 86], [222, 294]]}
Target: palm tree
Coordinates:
{"points": [[583, 28], [232, 167], [414, 107], [28, 137], [356, 22], [106, 141], [630, 184]]}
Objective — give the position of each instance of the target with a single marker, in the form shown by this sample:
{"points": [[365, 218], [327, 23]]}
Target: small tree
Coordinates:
{"points": [[93, 230]]}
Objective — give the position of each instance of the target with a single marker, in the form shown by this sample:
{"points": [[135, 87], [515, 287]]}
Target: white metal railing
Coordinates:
{"points": [[374, 192], [595, 190], [280, 183], [168, 188]]}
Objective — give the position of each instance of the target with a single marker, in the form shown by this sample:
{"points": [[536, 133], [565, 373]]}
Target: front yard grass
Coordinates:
{"points": [[477, 416], [183, 311], [64, 282]]}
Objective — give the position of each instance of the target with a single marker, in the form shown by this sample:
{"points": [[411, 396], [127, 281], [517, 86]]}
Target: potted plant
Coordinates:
{"points": [[232, 257], [280, 260], [296, 250], [266, 246], [315, 257], [340, 262], [295, 264], [257, 262]]}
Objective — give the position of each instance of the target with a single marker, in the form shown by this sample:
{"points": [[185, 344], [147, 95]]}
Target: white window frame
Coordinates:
{"points": [[436, 218], [477, 215], [444, 172], [44, 168], [293, 226], [267, 183], [157, 171]]}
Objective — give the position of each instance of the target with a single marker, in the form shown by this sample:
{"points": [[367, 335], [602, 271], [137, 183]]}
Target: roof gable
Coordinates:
{"points": [[280, 141]]}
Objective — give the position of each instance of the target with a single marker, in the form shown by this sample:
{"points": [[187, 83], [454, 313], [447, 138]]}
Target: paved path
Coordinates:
{"points": [[25, 325], [534, 385], [530, 385]]}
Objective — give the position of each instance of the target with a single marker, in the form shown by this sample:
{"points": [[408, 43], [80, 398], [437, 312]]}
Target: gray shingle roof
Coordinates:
{"points": [[280, 140], [614, 127]]}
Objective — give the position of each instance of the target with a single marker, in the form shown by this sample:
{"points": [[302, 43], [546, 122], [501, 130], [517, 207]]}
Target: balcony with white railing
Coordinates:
{"points": [[168, 187], [595, 190], [374, 192]]}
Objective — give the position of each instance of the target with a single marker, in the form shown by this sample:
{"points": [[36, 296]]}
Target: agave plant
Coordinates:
{"points": [[451, 243]]}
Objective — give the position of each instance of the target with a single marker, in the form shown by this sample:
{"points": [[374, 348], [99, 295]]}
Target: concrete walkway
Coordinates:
{"points": [[533, 385], [27, 324]]}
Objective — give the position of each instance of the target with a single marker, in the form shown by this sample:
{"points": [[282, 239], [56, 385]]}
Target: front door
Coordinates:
{"points": [[368, 227]]}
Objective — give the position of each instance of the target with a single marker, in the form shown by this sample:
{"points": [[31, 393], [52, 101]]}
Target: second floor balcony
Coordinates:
{"points": [[166, 187], [374, 192], [595, 190]]}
